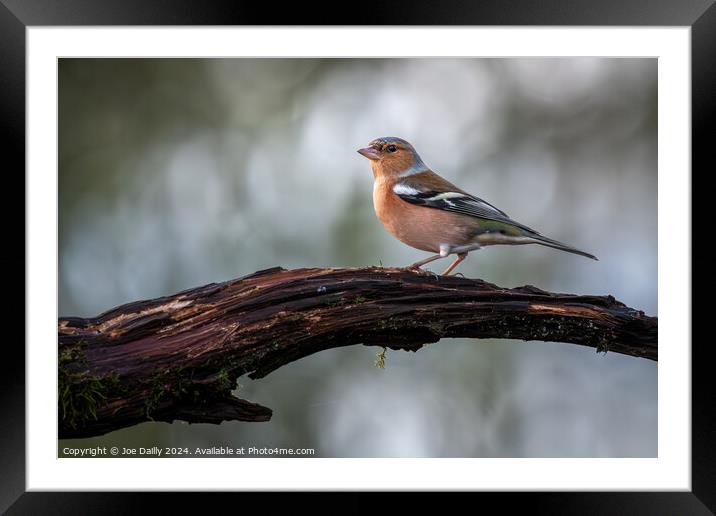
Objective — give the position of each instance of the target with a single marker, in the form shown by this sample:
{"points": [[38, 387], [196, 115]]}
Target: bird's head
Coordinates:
{"points": [[390, 157]]}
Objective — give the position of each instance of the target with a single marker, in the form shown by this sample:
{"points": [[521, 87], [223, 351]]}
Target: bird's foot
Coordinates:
{"points": [[417, 269]]}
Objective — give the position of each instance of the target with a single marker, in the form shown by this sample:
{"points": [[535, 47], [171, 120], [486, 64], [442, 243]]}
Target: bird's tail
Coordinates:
{"points": [[543, 240]]}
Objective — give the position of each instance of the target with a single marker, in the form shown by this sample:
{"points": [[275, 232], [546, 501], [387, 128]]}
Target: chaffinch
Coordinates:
{"points": [[425, 211]]}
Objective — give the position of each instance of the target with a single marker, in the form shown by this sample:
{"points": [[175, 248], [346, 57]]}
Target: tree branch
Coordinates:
{"points": [[179, 356]]}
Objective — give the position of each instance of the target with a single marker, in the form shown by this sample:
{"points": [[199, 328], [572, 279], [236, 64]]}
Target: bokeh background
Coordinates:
{"points": [[174, 173]]}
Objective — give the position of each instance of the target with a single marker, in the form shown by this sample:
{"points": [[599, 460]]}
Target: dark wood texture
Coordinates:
{"points": [[179, 356]]}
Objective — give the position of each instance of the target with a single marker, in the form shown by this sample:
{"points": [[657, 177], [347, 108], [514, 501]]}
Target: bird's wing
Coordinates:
{"points": [[434, 192]]}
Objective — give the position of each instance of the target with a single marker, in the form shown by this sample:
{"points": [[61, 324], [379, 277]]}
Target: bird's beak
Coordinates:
{"points": [[370, 153]]}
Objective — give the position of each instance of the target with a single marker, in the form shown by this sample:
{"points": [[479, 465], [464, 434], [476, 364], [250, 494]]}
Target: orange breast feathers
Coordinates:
{"points": [[418, 226]]}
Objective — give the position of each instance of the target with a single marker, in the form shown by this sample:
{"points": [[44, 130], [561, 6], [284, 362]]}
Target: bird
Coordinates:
{"points": [[427, 212]]}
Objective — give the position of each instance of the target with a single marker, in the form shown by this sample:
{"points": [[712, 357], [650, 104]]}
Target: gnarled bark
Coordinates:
{"points": [[179, 356]]}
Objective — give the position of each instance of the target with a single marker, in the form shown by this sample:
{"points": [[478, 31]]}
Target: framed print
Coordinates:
{"points": [[235, 233]]}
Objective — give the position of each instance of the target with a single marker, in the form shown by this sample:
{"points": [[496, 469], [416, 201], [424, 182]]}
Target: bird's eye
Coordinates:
{"points": [[391, 148]]}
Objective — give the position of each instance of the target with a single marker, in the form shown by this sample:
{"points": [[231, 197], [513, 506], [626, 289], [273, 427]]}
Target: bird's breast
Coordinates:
{"points": [[417, 226]]}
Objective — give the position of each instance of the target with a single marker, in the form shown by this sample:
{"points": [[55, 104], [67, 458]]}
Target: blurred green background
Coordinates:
{"points": [[174, 173]]}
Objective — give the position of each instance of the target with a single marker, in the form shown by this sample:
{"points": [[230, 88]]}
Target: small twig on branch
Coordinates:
{"points": [[179, 356]]}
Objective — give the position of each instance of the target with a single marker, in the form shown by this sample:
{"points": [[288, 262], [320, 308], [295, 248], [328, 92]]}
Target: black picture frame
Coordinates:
{"points": [[17, 15]]}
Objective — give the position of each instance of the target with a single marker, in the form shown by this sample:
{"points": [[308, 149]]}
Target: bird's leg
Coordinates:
{"points": [[429, 259], [460, 257]]}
